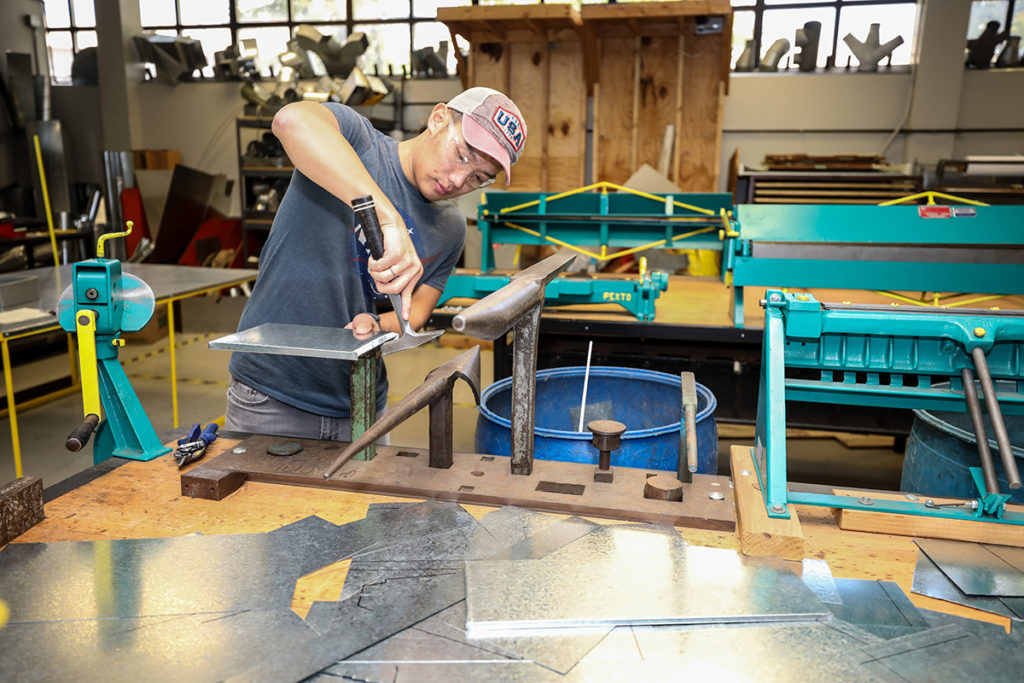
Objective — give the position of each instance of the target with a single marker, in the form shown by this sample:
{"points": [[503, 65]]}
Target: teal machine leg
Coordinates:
{"points": [[884, 357]]}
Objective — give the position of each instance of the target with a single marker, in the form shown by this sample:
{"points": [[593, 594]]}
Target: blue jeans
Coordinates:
{"points": [[250, 410]]}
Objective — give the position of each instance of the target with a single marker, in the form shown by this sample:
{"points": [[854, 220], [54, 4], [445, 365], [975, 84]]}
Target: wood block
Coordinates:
{"points": [[758, 533], [211, 483], [928, 527], [21, 507]]}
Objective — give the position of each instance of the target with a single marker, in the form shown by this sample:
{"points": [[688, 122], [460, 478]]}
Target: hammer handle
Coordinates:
{"points": [[366, 212]]}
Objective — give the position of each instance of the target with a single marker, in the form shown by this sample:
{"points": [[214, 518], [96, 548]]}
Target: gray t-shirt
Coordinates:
{"points": [[313, 271]]}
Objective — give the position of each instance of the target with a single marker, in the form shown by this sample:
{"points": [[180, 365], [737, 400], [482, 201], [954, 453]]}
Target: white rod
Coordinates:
{"points": [[586, 378]]}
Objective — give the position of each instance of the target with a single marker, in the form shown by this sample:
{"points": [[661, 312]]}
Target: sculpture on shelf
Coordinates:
{"points": [[870, 52], [981, 49], [774, 55], [747, 59], [1010, 54], [807, 39]]}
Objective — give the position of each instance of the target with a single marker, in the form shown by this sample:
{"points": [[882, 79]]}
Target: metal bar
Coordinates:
{"points": [[363, 400], [984, 453], [524, 388], [689, 387], [441, 432], [174, 363], [996, 416]]}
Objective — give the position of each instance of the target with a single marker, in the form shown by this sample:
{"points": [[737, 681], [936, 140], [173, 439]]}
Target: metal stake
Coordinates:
{"points": [[996, 415], [984, 453]]}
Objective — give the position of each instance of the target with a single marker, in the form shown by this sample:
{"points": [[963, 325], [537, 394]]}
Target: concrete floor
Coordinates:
{"points": [[202, 383]]}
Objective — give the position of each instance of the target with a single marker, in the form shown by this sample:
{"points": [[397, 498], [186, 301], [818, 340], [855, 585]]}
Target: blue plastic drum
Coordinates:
{"points": [[649, 404]]}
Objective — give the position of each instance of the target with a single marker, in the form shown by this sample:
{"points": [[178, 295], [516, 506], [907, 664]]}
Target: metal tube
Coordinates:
{"points": [[996, 415], [984, 453], [524, 388]]}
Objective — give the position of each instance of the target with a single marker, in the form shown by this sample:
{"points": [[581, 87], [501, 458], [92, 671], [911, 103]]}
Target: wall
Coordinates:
{"points": [[16, 36]]}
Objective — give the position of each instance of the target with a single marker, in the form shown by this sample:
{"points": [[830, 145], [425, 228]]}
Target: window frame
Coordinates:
{"points": [[758, 7]]}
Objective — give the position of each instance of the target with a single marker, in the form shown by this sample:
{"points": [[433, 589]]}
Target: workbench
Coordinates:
{"points": [[693, 331], [170, 283], [134, 500]]}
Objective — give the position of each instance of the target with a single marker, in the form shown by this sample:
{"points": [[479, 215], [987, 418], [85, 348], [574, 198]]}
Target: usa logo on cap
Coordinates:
{"points": [[510, 126]]}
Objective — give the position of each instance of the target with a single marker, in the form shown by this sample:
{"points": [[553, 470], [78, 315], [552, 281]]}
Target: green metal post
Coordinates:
{"points": [[364, 399]]}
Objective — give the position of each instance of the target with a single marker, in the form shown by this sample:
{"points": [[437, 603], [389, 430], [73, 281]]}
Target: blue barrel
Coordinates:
{"points": [[941, 447], [649, 404]]}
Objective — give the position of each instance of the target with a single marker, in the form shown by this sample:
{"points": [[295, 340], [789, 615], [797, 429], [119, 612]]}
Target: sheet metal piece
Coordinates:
{"points": [[749, 652], [511, 524], [695, 585], [547, 540], [307, 341], [817, 575], [558, 651], [974, 568], [878, 607], [437, 672], [940, 635], [929, 580], [144, 577], [197, 647], [620, 541], [349, 626], [416, 644], [986, 648]]}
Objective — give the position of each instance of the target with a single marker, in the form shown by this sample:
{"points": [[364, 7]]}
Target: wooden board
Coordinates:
{"points": [[700, 136], [563, 487], [758, 533], [615, 101], [928, 527], [21, 507]]}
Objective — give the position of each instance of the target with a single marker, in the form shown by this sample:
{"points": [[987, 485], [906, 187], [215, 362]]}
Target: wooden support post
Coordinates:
{"points": [[758, 533]]}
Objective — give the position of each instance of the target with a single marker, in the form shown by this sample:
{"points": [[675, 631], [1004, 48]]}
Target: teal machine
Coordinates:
{"points": [[890, 358], [613, 220], [927, 248], [102, 302]]}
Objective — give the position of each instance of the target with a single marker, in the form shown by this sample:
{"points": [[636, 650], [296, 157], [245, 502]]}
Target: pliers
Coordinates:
{"points": [[193, 445]]}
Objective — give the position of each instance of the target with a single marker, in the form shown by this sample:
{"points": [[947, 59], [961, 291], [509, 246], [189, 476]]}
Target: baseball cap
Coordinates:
{"points": [[493, 124]]}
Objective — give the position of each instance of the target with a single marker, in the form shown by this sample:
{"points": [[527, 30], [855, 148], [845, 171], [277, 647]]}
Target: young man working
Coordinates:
{"points": [[315, 269]]}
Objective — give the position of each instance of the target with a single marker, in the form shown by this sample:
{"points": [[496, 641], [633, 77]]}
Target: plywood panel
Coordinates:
{"points": [[658, 85], [614, 109], [701, 129], [567, 118], [528, 86]]}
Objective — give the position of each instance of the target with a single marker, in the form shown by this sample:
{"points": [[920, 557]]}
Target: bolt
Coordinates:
{"points": [[92, 294], [778, 509], [979, 331], [715, 495], [864, 500], [239, 450]]}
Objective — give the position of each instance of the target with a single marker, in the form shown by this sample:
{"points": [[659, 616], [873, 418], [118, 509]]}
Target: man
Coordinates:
{"points": [[315, 269]]}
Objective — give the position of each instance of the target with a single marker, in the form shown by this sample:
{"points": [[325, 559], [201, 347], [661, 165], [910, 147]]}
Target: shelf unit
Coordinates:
{"points": [[255, 222]]}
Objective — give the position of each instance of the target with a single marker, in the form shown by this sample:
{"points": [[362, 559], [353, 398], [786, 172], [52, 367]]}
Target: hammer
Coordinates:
{"points": [[366, 212]]}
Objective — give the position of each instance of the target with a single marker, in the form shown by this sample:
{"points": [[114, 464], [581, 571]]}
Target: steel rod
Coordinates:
{"points": [[984, 452], [988, 390]]}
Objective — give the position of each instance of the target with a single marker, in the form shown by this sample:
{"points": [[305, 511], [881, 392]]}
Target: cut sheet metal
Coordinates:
{"points": [[695, 585], [878, 607], [930, 581], [415, 644], [547, 540], [558, 651], [622, 541], [748, 652], [817, 576], [511, 524], [974, 568], [352, 625], [437, 672], [308, 341], [196, 647]]}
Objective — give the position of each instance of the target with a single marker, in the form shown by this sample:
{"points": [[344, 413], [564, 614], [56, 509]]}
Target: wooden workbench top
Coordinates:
{"points": [[143, 500]]}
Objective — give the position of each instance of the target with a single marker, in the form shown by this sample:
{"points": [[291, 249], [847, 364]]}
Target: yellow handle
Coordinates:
{"points": [[112, 235], [85, 322]]}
